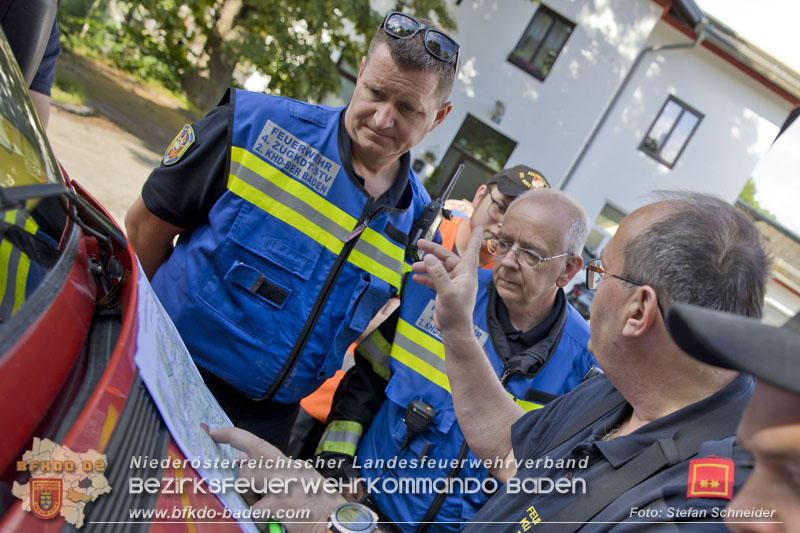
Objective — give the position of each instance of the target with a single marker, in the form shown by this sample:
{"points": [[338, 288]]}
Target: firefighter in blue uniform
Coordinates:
{"points": [[547, 358], [293, 220]]}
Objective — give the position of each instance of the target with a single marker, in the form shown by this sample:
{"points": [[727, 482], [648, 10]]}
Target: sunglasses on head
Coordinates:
{"points": [[437, 43]]}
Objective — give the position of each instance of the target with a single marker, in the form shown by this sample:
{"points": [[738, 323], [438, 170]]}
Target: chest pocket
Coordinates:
{"points": [[258, 277]]}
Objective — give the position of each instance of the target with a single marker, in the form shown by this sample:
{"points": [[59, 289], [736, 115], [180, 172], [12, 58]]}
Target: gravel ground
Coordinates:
{"points": [[107, 161]]}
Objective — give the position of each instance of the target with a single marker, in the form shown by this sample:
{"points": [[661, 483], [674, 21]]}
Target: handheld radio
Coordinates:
{"points": [[426, 225]]}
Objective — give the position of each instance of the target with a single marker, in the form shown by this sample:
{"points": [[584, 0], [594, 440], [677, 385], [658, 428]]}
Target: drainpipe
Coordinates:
{"points": [[654, 48]]}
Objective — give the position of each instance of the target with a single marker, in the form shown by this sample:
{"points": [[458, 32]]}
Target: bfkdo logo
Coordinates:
{"points": [[46, 497], [61, 482]]}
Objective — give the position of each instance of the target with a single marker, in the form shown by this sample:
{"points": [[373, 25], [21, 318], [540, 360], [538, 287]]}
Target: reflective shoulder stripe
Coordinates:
{"points": [[376, 350], [292, 202], [421, 353], [527, 406], [341, 436]]}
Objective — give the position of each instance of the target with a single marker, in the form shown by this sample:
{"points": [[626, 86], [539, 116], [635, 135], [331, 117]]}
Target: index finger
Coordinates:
{"points": [[239, 439]]}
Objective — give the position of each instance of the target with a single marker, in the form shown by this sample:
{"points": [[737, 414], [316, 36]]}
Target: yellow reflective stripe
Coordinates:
{"points": [[341, 436], [527, 406], [287, 215], [382, 254], [421, 353], [293, 203], [293, 187], [421, 367], [364, 262], [31, 226], [376, 350], [5, 258], [418, 336], [23, 267]]}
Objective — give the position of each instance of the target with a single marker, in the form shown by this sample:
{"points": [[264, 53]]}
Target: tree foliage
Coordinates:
{"points": [[748, 195], [195, 45]]}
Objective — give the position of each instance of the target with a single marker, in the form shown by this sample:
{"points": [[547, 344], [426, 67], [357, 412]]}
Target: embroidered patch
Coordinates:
{"points": [[710, 477], [180, 144]]}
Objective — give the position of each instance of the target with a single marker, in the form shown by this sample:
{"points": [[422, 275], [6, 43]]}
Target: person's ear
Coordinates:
{"points": [[441, 114], [573, 265], [479, 194], [362, 66], [642, 312]]}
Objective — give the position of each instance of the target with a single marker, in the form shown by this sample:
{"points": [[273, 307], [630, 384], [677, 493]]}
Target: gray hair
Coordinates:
{"points": [[704, 252], [575, 237], [411, 54]]}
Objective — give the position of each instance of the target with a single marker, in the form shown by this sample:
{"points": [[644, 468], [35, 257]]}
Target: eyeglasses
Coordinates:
{"points": [[437, 43], [525, 258], [595, 274], [497, 210]]}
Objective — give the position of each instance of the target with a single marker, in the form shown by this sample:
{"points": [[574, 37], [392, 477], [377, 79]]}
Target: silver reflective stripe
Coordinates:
{"points": [[341, 436], [420, 352], [377, 357], [378, 256], [292, 202]]}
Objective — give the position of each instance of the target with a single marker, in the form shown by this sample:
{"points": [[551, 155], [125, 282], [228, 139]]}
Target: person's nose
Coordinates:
{"points": [[384, 116], [510, 259]]}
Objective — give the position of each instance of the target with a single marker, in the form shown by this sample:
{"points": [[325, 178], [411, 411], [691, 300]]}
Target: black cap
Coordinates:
{"points": [[771, 354], [516, 180]]}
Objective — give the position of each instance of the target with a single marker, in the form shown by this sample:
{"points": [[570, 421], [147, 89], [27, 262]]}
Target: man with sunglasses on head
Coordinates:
{"points": [[532, 337], [292, 222]]}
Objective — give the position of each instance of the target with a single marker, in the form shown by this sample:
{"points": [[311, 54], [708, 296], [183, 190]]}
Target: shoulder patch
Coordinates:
{"points": [[179, 145]]}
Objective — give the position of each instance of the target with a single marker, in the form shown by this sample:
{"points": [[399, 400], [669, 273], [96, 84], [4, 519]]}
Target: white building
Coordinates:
{"points": [[609, 99]]}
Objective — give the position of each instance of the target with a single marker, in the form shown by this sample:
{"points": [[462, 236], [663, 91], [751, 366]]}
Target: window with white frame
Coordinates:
{"points": [[670, 132]]}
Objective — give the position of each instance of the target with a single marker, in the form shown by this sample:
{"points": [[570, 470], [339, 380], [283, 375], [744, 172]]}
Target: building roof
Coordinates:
{"points": [[687, 17]]}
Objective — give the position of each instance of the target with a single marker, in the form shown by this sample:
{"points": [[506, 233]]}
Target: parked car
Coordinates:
{"points": [[68, 323]]}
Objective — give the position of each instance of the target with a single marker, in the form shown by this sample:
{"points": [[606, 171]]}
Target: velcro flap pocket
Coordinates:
{"points": [[256, 283]]}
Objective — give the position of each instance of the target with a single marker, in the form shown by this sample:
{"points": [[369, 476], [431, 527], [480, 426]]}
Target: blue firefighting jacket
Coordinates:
{"points": [[415, 364], [294, 260]]}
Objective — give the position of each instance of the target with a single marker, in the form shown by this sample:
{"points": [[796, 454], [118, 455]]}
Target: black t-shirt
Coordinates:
{"points": [[520, 341], [184, 192]]}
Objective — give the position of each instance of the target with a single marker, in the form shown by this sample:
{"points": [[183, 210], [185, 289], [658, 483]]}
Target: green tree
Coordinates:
{"points": [[196, 45], [748, 195]]}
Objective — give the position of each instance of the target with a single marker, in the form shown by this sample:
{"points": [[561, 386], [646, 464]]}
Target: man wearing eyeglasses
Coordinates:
{"points": [[292, 221], [489, 206], [656, 431], [533, 339]]}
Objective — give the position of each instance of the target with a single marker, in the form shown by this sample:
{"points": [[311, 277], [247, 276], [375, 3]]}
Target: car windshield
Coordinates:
{"points": [[31, 219]]}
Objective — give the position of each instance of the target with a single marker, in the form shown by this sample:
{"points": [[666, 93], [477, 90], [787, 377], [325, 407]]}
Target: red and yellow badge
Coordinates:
{"points": [[180, 144], [46, 497], [533, 180], [710, 477]]}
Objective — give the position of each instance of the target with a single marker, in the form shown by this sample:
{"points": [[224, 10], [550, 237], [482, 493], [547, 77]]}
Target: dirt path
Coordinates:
{"points": [[109, 162], [112, 154]]}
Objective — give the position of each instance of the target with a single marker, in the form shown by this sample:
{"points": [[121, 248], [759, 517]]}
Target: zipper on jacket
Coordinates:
{"points": [[322, 298]]}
